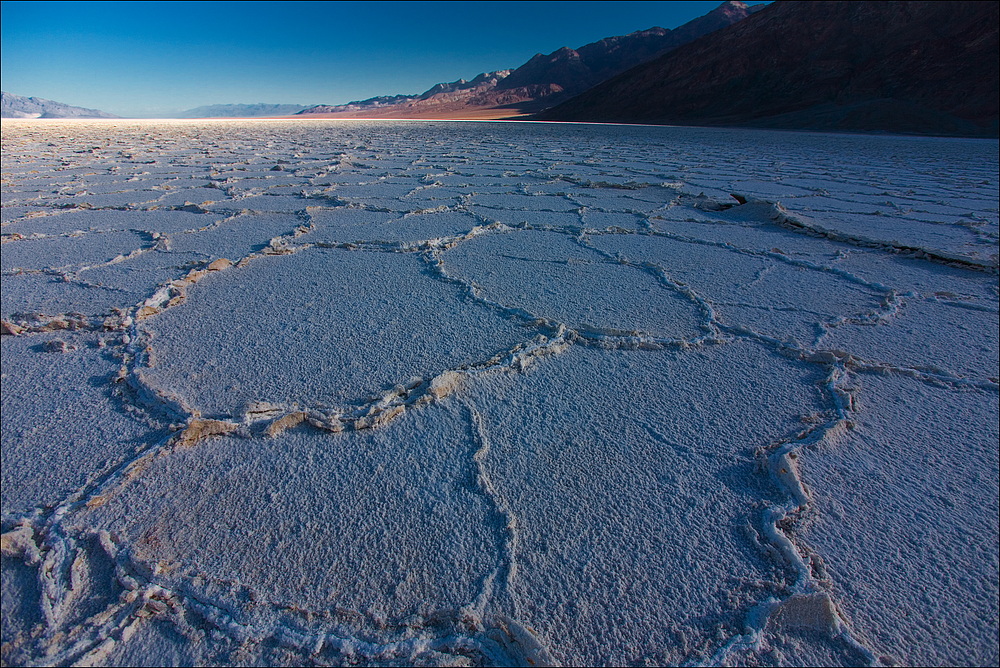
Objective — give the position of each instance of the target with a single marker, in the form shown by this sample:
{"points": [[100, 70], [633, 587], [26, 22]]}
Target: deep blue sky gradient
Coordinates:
{"points": [[150, 58]]}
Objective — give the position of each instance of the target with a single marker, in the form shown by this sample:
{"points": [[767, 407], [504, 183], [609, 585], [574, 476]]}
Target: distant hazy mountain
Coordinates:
{"points": [[544, 80], [361, 105], [18, 106], [928, 67], [241, 110]]}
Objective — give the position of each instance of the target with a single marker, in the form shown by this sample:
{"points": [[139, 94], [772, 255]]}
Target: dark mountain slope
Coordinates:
{"points": [[926, 67]]}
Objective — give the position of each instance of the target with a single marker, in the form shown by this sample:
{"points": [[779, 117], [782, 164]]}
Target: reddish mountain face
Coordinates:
{"points": [[928, 67], [545, 80]]}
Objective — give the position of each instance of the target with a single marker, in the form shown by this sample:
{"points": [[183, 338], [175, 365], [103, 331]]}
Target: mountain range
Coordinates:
{"points": [[904, 66], [922, 67], [544, 80], [18, 106]]}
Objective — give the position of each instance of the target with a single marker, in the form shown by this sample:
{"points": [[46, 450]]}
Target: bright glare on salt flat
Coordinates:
{"points": [[447, 394]]}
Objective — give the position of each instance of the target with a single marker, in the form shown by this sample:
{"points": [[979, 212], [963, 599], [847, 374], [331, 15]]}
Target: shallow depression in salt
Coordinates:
{"points": [[299, 393]]}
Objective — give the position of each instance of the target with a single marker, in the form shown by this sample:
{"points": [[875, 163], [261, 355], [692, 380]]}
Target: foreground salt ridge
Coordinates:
{"points": [[137, 322]]}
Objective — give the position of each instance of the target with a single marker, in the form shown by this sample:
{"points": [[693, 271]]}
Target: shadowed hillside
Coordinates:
{"points": [[923, 67]]}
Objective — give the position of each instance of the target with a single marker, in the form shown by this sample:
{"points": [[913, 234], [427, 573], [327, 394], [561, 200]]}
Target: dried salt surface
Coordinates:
{"points": [[112, 200], [28, 297], [550, 276], [645, 491], [519, 217], [499, 394], [262, 203], [322, 327], [393, 541], [750, 228], [912, 275], [74, 251], [903, 526], [56, 221], [603, 220], [353, 225], [47, 418], [136, 277], [747, 290], [236, 236], [946, 338]]}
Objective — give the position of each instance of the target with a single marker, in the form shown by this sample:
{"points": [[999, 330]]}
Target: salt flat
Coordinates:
{"points": [[430, 393]]}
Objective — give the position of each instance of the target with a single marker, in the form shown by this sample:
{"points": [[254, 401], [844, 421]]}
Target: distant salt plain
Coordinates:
{"points": [[327, 393]]}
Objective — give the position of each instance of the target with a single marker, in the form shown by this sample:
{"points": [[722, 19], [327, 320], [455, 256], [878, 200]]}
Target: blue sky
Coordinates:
{"points": [[149, 58]]}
